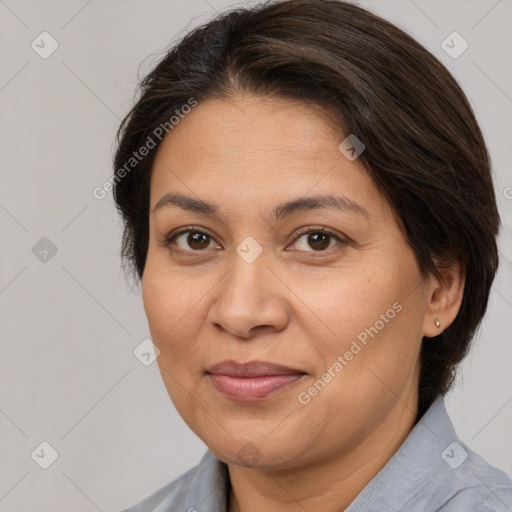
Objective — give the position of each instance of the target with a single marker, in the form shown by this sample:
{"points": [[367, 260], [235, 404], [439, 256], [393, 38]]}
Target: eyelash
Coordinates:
{"points": [[167, 242]]}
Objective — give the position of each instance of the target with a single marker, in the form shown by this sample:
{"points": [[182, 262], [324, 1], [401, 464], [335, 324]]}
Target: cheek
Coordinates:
{"points": [[157, 303], [173, 323], [348, 302], [172, 308], [375, 318]]}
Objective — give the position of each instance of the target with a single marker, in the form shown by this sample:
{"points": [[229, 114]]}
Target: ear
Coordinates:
{"points": [[445, 298]]}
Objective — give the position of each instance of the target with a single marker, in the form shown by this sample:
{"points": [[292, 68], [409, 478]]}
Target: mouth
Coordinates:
{"points": [[252, 381]]}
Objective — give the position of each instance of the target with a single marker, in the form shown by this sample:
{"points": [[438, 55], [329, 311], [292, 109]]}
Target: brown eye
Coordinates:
{"points": [[198, 241], [190, 240], [317, 240]]}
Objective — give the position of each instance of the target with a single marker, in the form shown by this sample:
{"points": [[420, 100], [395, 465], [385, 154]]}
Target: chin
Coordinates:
{"points": [[256, 452]]}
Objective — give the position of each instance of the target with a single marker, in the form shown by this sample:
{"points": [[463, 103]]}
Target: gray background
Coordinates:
{"points": [[69, 324]]}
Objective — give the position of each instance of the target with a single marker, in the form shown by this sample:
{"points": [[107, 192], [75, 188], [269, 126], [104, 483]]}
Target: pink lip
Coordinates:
{"points": [[251, 381]]}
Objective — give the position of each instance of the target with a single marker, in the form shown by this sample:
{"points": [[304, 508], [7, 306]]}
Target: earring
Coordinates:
{"points": [[438, 323]]}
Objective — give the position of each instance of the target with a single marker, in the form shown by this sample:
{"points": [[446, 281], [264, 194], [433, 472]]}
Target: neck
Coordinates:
{"points": [[330, 484]]}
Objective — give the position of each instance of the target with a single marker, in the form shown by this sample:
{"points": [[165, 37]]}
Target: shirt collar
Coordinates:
{"points": [[420, 460], [416, 467]]}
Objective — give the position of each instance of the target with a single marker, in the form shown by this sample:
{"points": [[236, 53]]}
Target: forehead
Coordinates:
{"points": [[240, 124], [241, 150]]}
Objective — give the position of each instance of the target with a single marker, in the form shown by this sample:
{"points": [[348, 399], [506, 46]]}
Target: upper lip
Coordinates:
{"points": [[250, 369]]}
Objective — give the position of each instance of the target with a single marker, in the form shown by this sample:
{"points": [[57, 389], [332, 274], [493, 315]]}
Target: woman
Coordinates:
{"points": [[307, 200]]}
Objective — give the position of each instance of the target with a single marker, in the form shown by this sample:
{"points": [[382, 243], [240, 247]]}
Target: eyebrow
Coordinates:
{"points": [[279, 213]]}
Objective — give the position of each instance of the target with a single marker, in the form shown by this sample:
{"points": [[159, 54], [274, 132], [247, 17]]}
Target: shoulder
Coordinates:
{"points": [[173, 493], [205, 483], [477, 485], [462, 477], [433, 470]]}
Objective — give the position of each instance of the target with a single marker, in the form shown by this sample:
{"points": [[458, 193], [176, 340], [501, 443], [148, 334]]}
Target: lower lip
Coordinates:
{"points": [[252, 388]]}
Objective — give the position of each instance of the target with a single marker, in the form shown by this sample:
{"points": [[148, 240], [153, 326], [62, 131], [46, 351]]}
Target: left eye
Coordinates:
{"points": [[318, 240]]}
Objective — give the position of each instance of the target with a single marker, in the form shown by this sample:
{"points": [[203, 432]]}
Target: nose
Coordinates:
{"points": [[250, 300]]}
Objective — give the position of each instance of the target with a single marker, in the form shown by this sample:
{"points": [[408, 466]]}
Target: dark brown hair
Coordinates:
{"points": [[424, 149]]}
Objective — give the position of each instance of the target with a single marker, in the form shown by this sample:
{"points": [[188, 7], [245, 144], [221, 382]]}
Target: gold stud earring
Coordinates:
{"points": [[438, 323]]}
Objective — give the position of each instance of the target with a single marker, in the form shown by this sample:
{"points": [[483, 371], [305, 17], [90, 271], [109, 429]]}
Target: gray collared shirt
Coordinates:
{"points": [[433, 470]]}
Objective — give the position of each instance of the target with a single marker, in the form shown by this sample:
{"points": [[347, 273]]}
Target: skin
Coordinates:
{"points": [[293, 305]]}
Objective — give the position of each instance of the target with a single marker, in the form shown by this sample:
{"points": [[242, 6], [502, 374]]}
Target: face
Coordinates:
{"points": [[287, 306]]}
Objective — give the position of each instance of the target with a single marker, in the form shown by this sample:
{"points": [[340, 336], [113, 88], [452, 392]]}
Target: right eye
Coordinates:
{"points": [[191, 240]]}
